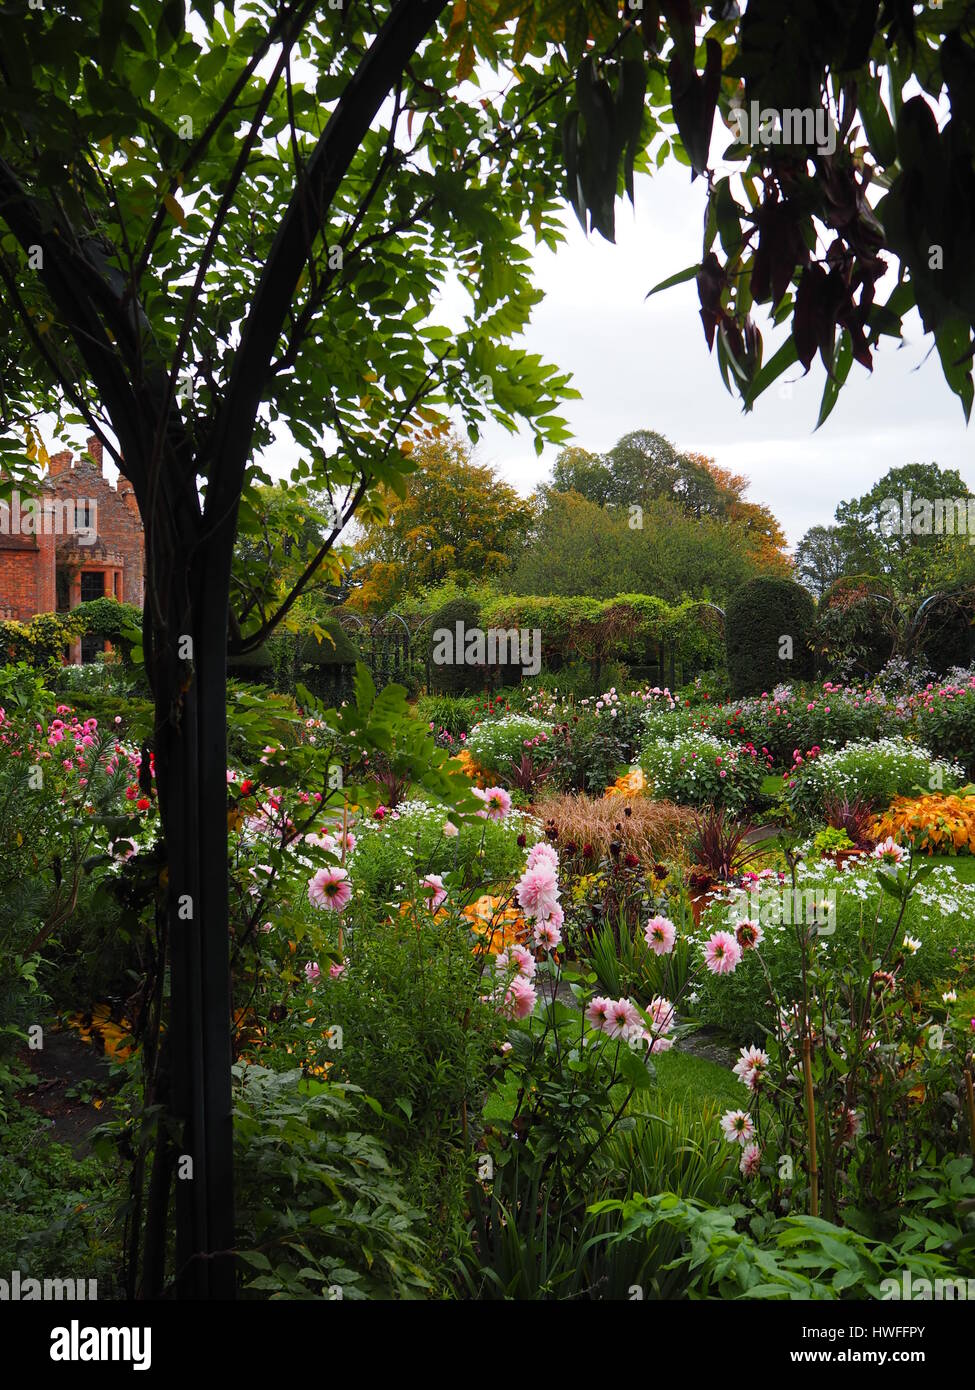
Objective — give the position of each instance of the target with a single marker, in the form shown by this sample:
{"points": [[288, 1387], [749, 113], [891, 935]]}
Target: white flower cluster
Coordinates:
{"points": [[840, 766]]}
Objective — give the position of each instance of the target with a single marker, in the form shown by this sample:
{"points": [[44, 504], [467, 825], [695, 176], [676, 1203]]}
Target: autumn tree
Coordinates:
{"points": [[455, 519]]}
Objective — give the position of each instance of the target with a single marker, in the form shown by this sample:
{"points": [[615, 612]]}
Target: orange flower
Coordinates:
{"points": [[631, 783]]}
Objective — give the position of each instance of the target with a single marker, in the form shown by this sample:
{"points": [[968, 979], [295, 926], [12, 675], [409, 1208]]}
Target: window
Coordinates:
{"points": [[92, 586]]}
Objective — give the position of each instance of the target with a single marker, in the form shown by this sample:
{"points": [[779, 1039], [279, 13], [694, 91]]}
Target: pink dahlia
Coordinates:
{"points": [[749, 935], [598, 1011], [538, 891], [543, 852], [738, 1126], [751, 1161], [661, 934], [662, 1015], [330, 889], [888, 851], [432, 889], [497, 802], [548, 935], [722, 953], [519, 957], [750, 1066], [520, 997], [622, 1018]]}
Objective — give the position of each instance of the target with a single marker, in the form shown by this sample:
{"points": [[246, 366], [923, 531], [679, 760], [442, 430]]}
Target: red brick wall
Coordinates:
{"points": [[19, 571]]}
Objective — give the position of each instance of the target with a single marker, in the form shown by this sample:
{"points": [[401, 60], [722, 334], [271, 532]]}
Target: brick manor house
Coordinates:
{"points": [[79, 539]]}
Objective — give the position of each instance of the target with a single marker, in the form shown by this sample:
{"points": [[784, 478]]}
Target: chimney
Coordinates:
{"points": [[95, 452], [59, 463]]}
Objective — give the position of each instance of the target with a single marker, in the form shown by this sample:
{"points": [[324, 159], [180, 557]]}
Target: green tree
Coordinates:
{"points": [[898, 530], [823, 556], [577, 470], [207, 233]]}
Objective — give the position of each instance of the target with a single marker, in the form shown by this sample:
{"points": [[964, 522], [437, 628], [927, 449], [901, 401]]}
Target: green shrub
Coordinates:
{"points": [[495, 742], [759, 615], [388, 858], [874, 770], [455, 677], [696, 769], [587, 753], [320, 1208], [452, 713], [803, 718], [945, 721], [940, 914]]}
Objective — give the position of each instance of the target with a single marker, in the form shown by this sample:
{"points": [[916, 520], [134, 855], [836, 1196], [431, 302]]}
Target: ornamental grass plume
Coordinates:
{"points": [[654, 830]]}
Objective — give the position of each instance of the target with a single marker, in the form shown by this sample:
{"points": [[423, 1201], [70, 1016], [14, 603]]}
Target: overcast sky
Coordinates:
{"points": [[644, 364]]}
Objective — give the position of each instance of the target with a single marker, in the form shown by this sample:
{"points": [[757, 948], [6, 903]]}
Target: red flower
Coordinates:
{"points": [[143, 803]]}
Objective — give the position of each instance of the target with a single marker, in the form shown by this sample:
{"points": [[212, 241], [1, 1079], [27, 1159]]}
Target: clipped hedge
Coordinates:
{"points": [[455, 677], [288, 659], [631, 628], [760, 614]]}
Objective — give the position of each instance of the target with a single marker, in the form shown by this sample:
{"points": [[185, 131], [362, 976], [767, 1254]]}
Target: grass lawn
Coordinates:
{"points": [[697, 1083], [773, 786], [963, 864]]}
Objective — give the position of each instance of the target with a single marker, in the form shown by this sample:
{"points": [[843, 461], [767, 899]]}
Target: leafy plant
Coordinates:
{"points": [[721, 844], [321, 1212], [852, 817]]}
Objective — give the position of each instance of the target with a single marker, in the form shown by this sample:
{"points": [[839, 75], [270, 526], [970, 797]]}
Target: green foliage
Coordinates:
{"points": [[453, 714], [875, 770], [939, 915], [321, 1212], [456, 677], [494, 742], [579, 549], [60, 1214], [42, 641], [587, 751], [945, 722], [390, 857], [630, 628], [796, 1257], [696, 769], [758, 616]]}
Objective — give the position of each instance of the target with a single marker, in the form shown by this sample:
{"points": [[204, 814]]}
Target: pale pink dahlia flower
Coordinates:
{"points": [[661, 935], [750, 1161], [738, 1126], [722, 953], [433, 891], [330, 889], [538, 891]]}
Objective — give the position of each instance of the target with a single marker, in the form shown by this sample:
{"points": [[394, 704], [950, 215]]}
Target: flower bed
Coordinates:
{"points": [[874, 770], [700, 770]]}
